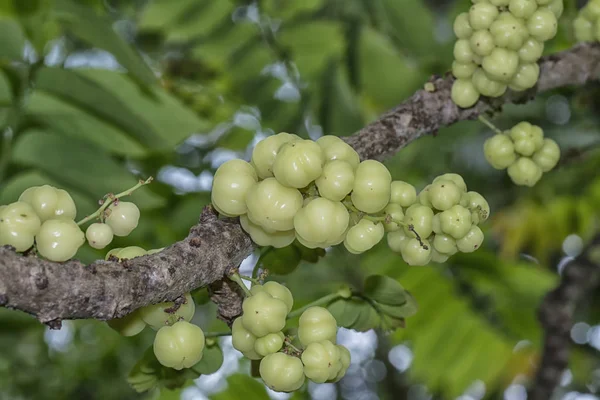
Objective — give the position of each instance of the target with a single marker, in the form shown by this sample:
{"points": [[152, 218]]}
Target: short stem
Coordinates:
{"points": [[291, 346], [247, 278], [319, 302], [351, 207], [237, 279], [374, 219], [489, 124], [216, 334], [111, 198]]}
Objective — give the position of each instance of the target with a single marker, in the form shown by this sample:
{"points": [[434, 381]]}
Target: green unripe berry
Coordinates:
{"points": [[424, 196], [527, 138], [263, 314], [269, 344], [557, 7], [397, 240], [261, 237], [543, 2], [463, 52], [500, 3], [438, 257], [395, 213], [129, 325], [59, 239], [322, 221], [462, 28], [99, 235], [335, 148], [298, 163], [482, 42], [49, 202], [547, 156], [345, 360], [277, 290], [444, 194], [265, 151], [456, 221], [336, 181], [481, 15], [281, 372], [315, 325], [403, 193], [509, 32], [487, 86], [242, 339], [463, 71], [531, 51], [363, 236], [272, 205], [123, 218], [416, 255], [478, 205], [499, 151], [444, 244], [252, 355], [322, 361], [230, 186], [372, 187], [161, 314], [452, 177], [464, 93], [436, 225], [127, 253], [522, 8], [584, 29], [526, 77], [179, 346], [542, 25], [591, 11], [421, 218], [501, 64], [471, 241], [18, 225], [524, 172]]}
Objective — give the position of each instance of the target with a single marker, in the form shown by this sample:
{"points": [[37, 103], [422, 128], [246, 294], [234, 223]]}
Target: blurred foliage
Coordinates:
{"points": [[95, 94]]}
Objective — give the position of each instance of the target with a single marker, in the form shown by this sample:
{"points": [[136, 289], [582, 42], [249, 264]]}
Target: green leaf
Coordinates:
{"points": [[211, 360], [144, 375], [6, 96], [345, 311], [12, 40], [385, 290], [84, 23], [281, 261], [200, 21], [309, 255], [159, 14], [367, 319], [242, 386], [79, 164]]}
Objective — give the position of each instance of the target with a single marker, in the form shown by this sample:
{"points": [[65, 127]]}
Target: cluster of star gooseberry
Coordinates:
{"points": [[523, 151], [499, 44], [587, 23], [43, 217], [322, 195], [257, 333]]}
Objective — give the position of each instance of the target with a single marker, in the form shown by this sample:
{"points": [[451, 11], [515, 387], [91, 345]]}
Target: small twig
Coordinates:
{"points": [[238, 279], [489, 124], [319, 302], [411, 228]]}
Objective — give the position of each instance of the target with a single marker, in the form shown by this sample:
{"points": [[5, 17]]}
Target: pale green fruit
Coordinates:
{"points": [[482, 42], [322, 361], [157, 315], [464, 93], [501, 65], [481, 15], [397, 240], [265, 151], [531, 51], [112, 252], [522, 8], [345, 359], [395, 213], [557, 7], [269, 344], [230, 186], [403, 193], [416, 255], [127, 253], [179, 346], [372, 187], [123, 218], [500, 3], [543, 2], [59, 239], [18, 225], [322, 221], [241, 338], [547, 156], [261, 237], [99, 235], [154, 251], [487, 86], [527, 138], [272, 205], [542, 25], [336, 181], [49, 202], [524, 172], [463, 71], [444, 244], [584, 29], [277, 290], [129, 325], [463, 52], [263, 314], [421, 218], [335, 148], [363, 236], [471, 241], [456, 221], [509, 32], [455, 178], [315, 325], [462, 28], [591, 10], [252, 355], [281, 372], [499, 151], [298, 163], [479, 205], [526, 77], [438, 257], [424, 196], [444, 194]]}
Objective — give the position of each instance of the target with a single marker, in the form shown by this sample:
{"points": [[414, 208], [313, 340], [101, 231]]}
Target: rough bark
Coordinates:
{"points": [[104, 290]]}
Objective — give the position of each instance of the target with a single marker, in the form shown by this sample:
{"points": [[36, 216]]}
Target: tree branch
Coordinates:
{"points": [[556, 316], [104, 290]]}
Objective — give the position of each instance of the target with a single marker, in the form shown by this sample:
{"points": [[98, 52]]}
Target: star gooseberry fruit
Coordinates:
{"points": [[179, 346]]}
